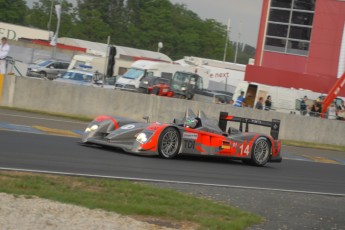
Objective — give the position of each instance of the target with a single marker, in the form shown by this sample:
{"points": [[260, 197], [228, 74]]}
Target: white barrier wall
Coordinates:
{"points": [[70, 99]]}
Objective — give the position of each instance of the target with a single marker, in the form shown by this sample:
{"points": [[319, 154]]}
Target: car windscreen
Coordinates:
{"points": [[77, 76], [133, 74], [44, 63], [181, 79]]}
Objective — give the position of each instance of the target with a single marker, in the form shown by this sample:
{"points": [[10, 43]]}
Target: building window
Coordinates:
{"points": [[281, 3], [289, 26]]}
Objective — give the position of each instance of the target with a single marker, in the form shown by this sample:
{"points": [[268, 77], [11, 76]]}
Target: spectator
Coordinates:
{"points": [[332, 112], [231, 102], [268, 103], [240, 100], [259, 104], [341, 111], [4, 49], [315, 108], [304, 106]]}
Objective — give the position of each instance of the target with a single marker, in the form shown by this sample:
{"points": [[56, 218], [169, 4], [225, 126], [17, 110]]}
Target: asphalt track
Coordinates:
{"points": [[63, 154], [301, 188]]}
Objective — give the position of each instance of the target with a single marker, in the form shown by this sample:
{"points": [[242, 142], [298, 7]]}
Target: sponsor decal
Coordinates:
{"points": [[127, 127], [189, 144], [226, 145], [191, 136]]}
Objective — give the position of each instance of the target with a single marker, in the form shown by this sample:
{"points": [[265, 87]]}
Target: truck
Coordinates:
{"points": [[99, 63], [183, 85], [141, 73], [217, 75], [285, 100]]}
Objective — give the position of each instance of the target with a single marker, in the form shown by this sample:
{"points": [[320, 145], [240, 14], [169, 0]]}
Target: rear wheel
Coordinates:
{"points": [[43, 74], [260, 151], [155, 91], [169, 143]]}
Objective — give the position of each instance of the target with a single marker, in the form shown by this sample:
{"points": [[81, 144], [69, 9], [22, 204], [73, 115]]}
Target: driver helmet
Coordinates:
{"points": [[190, 122]]}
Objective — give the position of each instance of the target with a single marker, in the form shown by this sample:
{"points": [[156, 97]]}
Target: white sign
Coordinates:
{"points": [[191, 136], [128, 127]]}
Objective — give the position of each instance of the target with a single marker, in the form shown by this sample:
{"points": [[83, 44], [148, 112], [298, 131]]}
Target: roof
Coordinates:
{"points": [[101, 49]]}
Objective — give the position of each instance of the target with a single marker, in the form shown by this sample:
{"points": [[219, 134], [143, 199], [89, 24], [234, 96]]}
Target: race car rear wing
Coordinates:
{"points": [[274, 124]]}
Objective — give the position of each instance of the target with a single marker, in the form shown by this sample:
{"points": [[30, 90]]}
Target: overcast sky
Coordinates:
{"points": [[242, 12]]}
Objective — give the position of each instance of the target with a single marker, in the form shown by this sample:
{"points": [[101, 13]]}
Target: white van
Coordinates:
{"points": [[283, 99], [142, 68], [99, 63]]}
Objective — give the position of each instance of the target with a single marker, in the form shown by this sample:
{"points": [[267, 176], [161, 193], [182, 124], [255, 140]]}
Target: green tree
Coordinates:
{"points": [[90, 26], [110, 13], [39, 16], [13, 11]]}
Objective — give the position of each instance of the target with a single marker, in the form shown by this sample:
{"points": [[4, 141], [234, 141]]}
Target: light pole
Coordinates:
{"points": [[239, 38], [160, 46], [226, 49], [227, 39], [50, 15]]}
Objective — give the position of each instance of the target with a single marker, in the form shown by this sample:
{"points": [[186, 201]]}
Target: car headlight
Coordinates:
{"points": [[145, 82], [34, 70], [183, 88], [92, 128], [142, 138]]}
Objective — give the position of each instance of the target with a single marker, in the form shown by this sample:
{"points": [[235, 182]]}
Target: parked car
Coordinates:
{"points": [[86, 78], [47, 69]]}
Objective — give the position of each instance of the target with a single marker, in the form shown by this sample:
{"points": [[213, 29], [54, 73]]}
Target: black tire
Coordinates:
{"points": [[43, 74], [155, 91], [190, 97], [261, 151], [169, 143]]}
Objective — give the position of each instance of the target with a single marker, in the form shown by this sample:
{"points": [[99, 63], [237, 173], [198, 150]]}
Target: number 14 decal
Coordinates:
{"points": [[244, 149]]}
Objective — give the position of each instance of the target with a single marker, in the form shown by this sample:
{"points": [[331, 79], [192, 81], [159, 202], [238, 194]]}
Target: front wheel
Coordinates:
{"points": [[169, 143], [261, 151], [43, 74]]}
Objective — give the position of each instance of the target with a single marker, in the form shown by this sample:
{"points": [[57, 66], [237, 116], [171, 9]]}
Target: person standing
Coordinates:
{"points": [[341, 111], [304, 106], [259, 104], [332, 112], [239, 100], [315, 110], [4, 49], [268, 103]]}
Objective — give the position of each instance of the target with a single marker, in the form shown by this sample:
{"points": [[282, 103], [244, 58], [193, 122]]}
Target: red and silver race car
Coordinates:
{"points": [[191, 135]]}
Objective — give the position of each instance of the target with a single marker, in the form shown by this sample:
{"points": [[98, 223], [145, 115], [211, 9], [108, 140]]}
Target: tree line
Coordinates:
{"points": [[133, 23]]}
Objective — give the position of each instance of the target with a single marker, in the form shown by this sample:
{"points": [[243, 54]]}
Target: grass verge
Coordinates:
{"points": [[128, 198], [313, 145], [74, 117]]}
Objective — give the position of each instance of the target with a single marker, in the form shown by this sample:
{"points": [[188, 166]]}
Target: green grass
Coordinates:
{"points": [[128, 198]]}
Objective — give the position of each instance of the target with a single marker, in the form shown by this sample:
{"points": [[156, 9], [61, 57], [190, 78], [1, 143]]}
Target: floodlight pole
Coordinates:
{"points": [[50, 15], [226, 49]]}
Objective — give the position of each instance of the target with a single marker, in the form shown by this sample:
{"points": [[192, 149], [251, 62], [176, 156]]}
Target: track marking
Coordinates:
{"points": [[40, 118], [19, 128], [321, 159], [57, 131], [169, 181]]}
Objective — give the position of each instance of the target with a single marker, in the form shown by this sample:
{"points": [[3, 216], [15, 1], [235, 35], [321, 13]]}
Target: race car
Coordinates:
{"points": [[194, 134]]}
